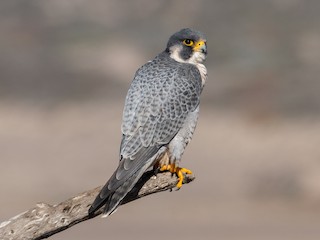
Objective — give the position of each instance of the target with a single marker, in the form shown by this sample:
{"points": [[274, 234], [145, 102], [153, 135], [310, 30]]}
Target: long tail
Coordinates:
{"points": [[123, 180], [112, 198]]}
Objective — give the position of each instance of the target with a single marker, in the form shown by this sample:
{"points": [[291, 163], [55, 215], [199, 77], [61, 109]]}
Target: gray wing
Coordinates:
{"points": [[157, 105]]}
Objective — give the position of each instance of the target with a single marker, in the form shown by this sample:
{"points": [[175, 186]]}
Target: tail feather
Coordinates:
{"points": [[99, 201], [119, 194], [112, 198], [124, 179]]}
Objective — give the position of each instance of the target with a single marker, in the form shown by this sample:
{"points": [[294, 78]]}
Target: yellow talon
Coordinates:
{"points": [[178, 171], [170, 167]]}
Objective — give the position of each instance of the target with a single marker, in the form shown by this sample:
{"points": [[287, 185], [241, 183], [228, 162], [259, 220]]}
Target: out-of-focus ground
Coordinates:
{"points": [[65, 67]]}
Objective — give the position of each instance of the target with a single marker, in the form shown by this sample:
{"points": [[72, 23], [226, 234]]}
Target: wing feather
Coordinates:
{"points": [[161, 98], [158, 102]]}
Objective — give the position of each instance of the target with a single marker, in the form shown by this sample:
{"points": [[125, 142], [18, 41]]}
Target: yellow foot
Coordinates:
{"points": [[178, 171]]}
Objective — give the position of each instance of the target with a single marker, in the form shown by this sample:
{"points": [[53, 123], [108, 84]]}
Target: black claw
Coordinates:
{"points": [[156, 171]]}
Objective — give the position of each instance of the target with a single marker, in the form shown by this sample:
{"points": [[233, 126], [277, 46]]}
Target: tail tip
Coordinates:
{"points": [[91, 211], [109, 213], [104, 215]]}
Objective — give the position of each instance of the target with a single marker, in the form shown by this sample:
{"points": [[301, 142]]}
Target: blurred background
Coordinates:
{"points": [[66, 66]]}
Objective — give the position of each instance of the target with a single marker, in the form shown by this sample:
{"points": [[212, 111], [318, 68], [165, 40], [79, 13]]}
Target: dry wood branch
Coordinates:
{"points": [[45, 220]]}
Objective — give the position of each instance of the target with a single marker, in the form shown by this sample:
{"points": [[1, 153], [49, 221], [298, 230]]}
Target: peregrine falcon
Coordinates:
{"points": [[160, 115]]}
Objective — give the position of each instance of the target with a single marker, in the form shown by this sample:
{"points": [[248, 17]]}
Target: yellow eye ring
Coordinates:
{"points": [[188, 42]]}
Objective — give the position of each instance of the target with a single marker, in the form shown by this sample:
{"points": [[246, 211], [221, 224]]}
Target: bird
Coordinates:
{"points": [[159, 118]]}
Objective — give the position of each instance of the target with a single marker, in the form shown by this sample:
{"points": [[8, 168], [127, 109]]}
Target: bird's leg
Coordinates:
{"points": [[177, 170]]}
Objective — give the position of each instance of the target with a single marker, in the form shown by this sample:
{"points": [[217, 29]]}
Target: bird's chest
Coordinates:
{"points": [[203, 72]]}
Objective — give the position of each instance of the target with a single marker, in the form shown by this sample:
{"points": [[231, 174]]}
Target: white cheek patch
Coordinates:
{"points": [[175, 53], [196, 57]]}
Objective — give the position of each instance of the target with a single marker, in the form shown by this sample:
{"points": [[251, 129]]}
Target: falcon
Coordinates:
{"points": [[160, 115]]}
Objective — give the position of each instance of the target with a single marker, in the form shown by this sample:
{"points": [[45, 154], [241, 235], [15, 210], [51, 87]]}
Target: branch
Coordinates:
{"points": [[45, 220]]}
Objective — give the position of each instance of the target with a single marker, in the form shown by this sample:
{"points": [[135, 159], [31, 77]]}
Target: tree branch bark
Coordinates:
{"points": [[45, 220]]}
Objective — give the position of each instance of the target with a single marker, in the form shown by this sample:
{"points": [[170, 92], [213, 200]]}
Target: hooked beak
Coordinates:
{"points": [[200, 46]]}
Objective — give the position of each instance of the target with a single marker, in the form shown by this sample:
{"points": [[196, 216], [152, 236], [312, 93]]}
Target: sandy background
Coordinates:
{"points": [[65, 67]]}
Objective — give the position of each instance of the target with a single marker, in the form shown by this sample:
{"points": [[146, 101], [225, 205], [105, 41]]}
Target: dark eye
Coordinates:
{"points": [[188, 42]]}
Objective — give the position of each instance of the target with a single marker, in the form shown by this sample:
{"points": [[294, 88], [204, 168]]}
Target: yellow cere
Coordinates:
{"points": [[199, 44]]}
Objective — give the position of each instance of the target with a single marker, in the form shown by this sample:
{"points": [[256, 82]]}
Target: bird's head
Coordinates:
{"points": [[188, 46]]}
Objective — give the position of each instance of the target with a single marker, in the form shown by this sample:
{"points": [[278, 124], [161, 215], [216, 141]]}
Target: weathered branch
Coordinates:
{"points": [[45, 220]]}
